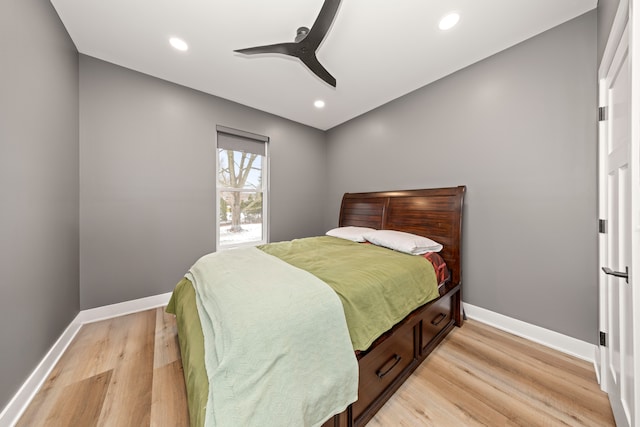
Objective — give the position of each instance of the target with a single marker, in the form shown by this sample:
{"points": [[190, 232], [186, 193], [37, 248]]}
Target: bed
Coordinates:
{"points": [[385, 364]]}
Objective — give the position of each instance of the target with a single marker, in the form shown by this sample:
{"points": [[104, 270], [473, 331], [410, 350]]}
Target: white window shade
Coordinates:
{"points": [[237, 140]]}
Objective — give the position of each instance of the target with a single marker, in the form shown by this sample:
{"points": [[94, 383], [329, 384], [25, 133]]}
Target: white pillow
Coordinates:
{"points": [[403, 242], [355, 234]]}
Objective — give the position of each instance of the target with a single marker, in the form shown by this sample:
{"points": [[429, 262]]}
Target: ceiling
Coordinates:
{"points": [[377, 50]]}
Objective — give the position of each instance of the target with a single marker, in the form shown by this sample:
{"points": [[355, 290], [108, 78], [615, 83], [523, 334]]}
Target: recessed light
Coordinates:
{"points": [[178, 44], [319, 103], [449, 21]]}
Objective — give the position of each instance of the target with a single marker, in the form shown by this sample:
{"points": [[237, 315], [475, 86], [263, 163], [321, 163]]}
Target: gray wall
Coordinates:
{"points": [[606, 13], [519, 129], [147, 179], [38, 187]]}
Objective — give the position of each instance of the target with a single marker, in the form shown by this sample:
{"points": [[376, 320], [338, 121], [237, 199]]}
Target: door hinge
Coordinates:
{"points": [[603, 339], [602, 226], [602, 114]]}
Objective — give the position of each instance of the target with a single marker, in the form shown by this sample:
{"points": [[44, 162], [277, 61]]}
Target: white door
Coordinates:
{"points": [[618, 188]]}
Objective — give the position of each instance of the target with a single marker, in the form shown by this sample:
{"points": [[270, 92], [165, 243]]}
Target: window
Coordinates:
{"points": [[242, 171]]}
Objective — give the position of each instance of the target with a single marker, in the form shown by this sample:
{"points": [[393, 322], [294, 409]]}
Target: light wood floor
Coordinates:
{"points": [[127, 372]]}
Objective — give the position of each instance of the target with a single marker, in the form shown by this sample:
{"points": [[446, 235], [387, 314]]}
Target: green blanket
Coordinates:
{"points": [[325, 254], [271, 357], [378, 287], [183, 305]]}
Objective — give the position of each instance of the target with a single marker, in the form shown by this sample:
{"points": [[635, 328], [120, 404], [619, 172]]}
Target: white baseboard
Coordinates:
{"points": [[18, 404], [566, 344], [120, 309], [597, 362]]}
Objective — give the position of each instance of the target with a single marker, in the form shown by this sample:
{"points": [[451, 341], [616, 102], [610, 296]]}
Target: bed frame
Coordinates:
{"points": [[433, 213]]}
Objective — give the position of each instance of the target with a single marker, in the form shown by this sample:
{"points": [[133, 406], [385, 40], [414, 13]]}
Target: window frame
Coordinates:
{"points": [[265, 186]]}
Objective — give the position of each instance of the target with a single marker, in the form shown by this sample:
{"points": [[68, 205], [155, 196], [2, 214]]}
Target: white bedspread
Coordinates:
{"points": [[277, 348]]}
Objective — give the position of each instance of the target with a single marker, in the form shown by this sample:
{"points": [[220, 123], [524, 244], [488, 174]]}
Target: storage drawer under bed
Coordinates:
{"points": [[436, 318], [392, 358]]}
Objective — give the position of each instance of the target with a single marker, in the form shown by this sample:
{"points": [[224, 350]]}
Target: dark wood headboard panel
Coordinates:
{"points": [[434, 213]]}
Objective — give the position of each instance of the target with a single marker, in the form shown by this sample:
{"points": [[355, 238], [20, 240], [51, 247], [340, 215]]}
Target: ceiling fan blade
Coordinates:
{"points": [[316, 67], [323, 22], [282, 48]]}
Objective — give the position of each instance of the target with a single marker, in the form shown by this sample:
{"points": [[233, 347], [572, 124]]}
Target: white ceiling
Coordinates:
{"points": [[377, 50]]}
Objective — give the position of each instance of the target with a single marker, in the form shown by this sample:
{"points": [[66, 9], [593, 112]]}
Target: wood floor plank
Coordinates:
{"points": [[564, 366], [91, 392], [127, 371], [169, 403], [514, 377], [95, 349], [39, 408], [475, 385], [470, 411], [432, 399], [525, 381], [167, 348], [79, 361], [128, 400]]}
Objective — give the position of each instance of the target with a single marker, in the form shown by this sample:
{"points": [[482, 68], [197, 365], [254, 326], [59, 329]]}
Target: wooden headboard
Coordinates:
{"points": [[434, 213]]}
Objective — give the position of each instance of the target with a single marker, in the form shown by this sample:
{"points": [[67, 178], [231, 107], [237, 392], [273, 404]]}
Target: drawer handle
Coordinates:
{"points": [[393, 361], [438, 319]]}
